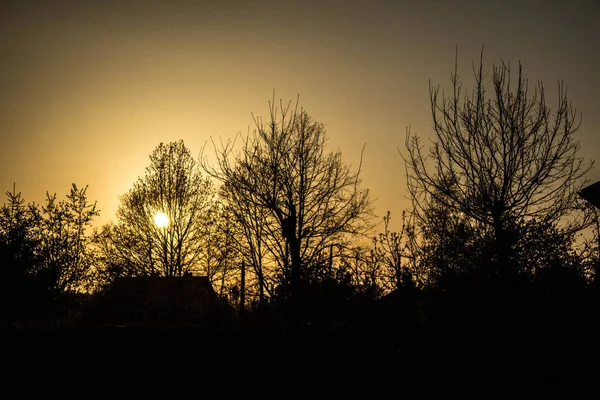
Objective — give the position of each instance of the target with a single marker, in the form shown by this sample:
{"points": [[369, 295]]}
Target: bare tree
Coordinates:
{"points": [[174, 186], [250, 239], [222, 261], [501, 156], [307, 198], [396, 251]]}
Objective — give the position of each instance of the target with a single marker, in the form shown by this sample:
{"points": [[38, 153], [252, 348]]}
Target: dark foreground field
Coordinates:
{"points": [[358, 359]]}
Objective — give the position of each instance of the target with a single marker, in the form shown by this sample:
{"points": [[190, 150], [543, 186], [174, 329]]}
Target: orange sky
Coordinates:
{"points": [[89, 88]]}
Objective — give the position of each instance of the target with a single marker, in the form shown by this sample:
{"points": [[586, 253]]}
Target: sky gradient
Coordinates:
{"points": [[89, 88]]}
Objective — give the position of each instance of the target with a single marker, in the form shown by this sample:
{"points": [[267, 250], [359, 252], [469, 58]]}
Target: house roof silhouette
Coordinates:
{"points": [[158, 300], [591, 193]]}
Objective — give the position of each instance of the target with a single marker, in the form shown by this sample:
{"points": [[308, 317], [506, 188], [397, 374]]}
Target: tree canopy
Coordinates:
{"points": [[174, 186], [304, 196], [500, 155]]}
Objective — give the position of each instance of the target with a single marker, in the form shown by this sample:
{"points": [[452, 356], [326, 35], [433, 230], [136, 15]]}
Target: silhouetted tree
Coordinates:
{"points": [[222, 260], [306, 197], [464, 297], [18, 260], [45, 253], [365, 269], [454, 250], [546, 251], [67, 260], [251, 222], [500, 156], [396, 252], [174, 185]]}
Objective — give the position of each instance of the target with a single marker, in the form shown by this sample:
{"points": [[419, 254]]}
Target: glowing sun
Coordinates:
{"points": [[161, 220]]}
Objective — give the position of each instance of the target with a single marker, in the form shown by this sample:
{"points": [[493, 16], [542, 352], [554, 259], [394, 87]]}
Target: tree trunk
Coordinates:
{"points": [[501, 269], [504, 271], [293, 241], [261, 288], [243, 289]]}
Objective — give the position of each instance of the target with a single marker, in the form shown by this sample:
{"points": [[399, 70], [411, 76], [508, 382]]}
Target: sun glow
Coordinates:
{"points": [[161, 220]]}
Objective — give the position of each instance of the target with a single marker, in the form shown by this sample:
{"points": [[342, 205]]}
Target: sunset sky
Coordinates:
{"points": [[89, 88]]}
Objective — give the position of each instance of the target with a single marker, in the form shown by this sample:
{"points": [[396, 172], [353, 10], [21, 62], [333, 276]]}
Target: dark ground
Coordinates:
{"points": [[355, 359]]}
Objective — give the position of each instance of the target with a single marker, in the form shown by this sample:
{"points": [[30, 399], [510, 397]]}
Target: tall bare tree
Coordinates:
{"points": [[173, 185], [307, 198], [499, 156]]}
